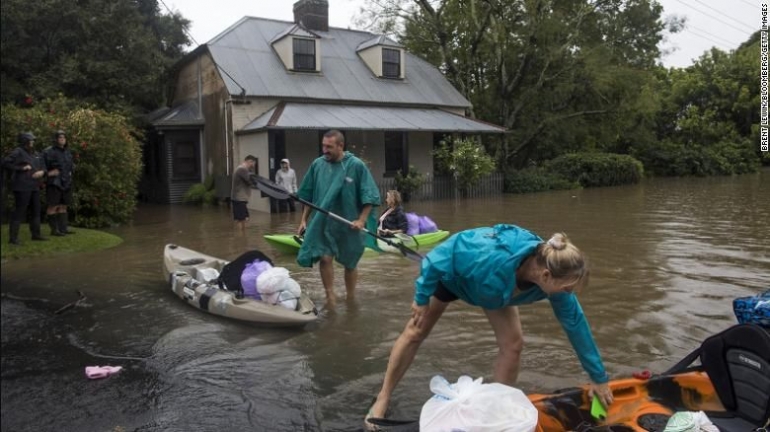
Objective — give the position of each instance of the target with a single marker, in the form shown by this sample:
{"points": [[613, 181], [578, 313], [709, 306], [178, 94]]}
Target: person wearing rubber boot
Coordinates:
{"points": [[27, 170], [60, 166]]}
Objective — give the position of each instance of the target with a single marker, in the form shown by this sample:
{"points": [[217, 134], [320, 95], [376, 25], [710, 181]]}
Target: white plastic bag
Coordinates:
{"points": [[287, 296], [271, 280], [471, 406], [690, 421], [208, 274], [275, 286]]}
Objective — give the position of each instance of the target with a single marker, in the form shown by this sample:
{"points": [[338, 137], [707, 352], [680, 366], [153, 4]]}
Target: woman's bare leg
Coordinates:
{"points": [[403, 353], [510, 341]]}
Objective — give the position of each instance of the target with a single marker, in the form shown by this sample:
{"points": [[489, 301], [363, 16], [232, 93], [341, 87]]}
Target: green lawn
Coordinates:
{"points": [[84, 240]]}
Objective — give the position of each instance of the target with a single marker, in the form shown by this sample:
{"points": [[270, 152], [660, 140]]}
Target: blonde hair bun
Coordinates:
{"points": [[558, 241]]}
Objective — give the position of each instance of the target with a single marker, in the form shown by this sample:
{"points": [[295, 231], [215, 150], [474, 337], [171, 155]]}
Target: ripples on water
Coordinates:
{"points": [[667, 259]]}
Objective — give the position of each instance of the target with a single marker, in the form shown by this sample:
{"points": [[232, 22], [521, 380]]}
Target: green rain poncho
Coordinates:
{"points": [[342, 188]]}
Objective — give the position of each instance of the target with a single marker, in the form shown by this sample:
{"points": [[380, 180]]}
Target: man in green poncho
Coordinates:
{"points": [[340, 183]]}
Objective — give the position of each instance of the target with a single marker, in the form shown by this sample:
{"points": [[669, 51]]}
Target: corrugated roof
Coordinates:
{"points": [[378, 40], [295, 29], [186, 114], [350, 117], [245, 52]]}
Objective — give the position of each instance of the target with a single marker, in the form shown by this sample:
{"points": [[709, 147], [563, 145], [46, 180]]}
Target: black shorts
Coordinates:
{"points": [[443, 294], [240, 212], [55, 196]]}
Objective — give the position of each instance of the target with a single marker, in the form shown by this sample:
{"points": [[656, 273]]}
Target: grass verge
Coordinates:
{"points": [[83, 241]]}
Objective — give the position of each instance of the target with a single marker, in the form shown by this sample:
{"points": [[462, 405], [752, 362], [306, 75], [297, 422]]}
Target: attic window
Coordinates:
{"points": [[391, 63], [304, 54]]}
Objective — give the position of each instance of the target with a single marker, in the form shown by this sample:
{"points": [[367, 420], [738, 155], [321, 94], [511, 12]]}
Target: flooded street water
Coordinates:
{"points": [[667, 257]]}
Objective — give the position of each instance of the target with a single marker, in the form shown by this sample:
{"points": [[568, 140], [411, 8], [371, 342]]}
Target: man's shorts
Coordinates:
{"points": [[55, 196], [443, 294], [240, 212]]}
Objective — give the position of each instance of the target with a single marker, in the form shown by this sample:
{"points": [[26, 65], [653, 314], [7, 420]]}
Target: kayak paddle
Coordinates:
{"points": [[278, 192]]}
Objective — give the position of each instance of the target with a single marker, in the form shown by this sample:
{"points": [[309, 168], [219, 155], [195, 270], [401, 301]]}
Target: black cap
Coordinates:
{"points": [[26, 137]]}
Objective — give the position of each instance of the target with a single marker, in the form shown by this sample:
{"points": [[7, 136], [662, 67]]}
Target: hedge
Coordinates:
{"points": [[106, 149]]}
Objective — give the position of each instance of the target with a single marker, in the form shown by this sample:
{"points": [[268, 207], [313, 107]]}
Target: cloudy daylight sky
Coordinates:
{"points": [[721, 23]]}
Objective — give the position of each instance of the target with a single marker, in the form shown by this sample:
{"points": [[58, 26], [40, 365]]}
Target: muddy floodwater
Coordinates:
{"points": [[667, 256]]}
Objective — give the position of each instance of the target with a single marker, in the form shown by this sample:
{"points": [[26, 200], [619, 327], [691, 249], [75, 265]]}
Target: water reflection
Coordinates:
{"points": [[667, 257]]}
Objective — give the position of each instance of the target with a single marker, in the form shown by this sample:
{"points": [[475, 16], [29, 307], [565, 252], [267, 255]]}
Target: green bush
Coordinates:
{"points": [[201, 193], [597, 169], [409, 183], [666, 158], [106, 149], [536, 179]]}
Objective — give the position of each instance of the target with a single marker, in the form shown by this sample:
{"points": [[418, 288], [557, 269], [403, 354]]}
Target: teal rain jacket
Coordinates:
{"points": [[342, 188], [479, 266]]}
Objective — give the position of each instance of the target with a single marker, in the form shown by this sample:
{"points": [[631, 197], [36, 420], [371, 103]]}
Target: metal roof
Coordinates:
{"points": [[186, 114], [350, 117], [296, 30], [245, 53], [378, 40]]}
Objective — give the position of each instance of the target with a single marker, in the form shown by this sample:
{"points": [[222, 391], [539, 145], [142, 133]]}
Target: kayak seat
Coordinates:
{"points": [[737, 361], [230, 276]]}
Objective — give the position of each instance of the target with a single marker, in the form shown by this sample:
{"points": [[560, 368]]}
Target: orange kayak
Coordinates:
{"points": [[731, 385], [640, 405]]}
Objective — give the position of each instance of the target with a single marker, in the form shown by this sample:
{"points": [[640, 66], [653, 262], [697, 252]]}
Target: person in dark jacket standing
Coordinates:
{"points": [[60, 166], [27, 170]]}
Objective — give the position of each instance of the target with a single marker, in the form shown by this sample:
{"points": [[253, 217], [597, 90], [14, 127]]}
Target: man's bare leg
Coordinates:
{"points": [[351, 279], [326, 267]]}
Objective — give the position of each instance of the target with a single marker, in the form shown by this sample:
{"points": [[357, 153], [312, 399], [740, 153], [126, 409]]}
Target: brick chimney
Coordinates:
{"points": [[313, 14]]}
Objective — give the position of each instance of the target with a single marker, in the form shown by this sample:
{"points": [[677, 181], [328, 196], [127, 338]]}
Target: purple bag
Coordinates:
{"points": [[249, 278], [414, 224], [427, 225]]}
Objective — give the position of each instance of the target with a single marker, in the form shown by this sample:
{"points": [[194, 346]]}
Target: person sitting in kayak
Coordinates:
{"points": [[498, 268], [393, 219]]}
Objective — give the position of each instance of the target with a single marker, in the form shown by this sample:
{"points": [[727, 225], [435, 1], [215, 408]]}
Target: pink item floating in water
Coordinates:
{"points": [[96, 372]]}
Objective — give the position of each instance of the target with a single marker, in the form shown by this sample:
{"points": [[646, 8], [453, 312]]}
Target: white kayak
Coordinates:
{"points": [[189, 274]]}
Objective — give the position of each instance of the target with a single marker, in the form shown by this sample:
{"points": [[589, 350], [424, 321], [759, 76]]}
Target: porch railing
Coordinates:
{"points": [[437, 188]]}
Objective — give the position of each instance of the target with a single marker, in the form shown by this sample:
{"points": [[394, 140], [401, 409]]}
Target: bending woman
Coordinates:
{"points": [[498, 269]]}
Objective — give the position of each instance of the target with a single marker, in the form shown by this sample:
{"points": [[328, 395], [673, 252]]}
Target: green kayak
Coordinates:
{"points": [[288, 244]]}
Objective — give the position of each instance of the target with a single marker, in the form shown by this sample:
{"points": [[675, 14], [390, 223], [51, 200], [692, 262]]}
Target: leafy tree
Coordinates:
{"points": [[562, 75], [466, 160], [114, 54], [708, 116], [105, 147]]}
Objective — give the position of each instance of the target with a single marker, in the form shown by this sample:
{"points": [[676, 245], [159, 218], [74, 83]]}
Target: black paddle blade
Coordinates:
{"points": [[270, 188], [410, 254], [405, 251], [396, 425]]}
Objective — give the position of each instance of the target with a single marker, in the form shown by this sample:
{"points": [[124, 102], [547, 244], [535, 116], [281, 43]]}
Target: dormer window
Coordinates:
{"points": [[304, 54], [298, 48], [391, 63], [383, 57]]}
